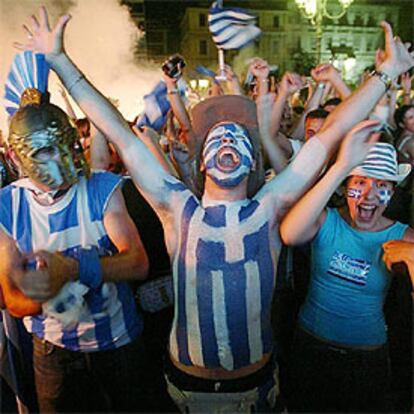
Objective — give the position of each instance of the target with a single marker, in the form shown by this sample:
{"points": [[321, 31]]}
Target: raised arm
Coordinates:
{"points": [[406, 82], [233, 81], [290, 83], [396, 60], [100, 157], [179, 110], [314, 100], [143, 167], [277, 157], [306, 217]]}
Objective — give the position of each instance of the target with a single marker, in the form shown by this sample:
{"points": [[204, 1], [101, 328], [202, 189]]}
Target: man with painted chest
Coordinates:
{"points": [[224, 247]]}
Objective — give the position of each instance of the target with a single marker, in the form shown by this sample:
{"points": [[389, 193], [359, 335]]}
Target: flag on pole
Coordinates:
{"points": [[28, 70], [157, 105], [232, 27]]}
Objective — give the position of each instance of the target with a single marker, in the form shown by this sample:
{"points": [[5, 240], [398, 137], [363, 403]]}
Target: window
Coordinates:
{"points": [[202, 47], [202, 21], [276, 22]]}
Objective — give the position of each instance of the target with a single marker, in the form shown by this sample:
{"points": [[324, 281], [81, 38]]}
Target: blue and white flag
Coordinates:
{"points": [[232, 27], [28, 70], [157, 105]]}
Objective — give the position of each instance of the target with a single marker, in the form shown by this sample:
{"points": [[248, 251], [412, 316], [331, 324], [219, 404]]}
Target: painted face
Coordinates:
{"points": [[367, 200], [409, 120], [312, 127], [44, 142], [228, 154]]}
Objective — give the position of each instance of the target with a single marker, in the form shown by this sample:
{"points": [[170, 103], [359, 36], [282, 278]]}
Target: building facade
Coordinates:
{"points": [[288, 40]]}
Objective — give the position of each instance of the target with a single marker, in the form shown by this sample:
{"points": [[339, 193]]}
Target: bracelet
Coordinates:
{"points": [[90, 270], [383, 77], [75, 82], [321, 85], [172, 92]]}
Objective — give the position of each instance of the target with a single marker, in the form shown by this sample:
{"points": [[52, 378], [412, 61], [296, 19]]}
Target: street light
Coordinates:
{"points": [[315, 11]]}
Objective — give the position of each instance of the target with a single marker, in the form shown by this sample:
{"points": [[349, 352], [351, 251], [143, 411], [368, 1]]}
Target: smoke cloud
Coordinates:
{"points": [[101, 38]]}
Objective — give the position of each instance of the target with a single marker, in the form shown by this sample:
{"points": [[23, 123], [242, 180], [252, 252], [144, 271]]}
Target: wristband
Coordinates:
{"points": [[383, 77], [172, 92], [90, 270]]}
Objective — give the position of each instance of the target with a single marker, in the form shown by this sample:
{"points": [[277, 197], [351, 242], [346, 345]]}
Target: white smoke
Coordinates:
{"points": [[101, 38]]}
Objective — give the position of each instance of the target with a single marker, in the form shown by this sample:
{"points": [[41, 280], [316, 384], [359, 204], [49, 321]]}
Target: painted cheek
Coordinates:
{"points": [[354, 193], [384, 197]]}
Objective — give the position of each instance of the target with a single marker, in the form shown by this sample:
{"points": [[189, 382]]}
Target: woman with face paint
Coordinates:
{"points": [[339, 359]]}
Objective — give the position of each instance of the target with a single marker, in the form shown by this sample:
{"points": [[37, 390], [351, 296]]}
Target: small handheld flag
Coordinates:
{"points": [[157, 105], [232, 28]]}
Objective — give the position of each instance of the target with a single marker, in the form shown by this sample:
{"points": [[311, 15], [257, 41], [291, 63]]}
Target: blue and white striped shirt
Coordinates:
{"points": [[110, 319]]}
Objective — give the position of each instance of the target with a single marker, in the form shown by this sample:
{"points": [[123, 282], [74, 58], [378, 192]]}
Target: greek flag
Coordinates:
{"points": [[232, 27], [28, 70], [157, 105]]}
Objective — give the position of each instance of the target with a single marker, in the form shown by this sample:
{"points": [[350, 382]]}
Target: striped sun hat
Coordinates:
{"points": [[381, 163]]}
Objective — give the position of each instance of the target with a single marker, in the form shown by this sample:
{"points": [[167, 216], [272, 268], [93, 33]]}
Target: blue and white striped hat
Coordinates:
{"points": [[381, 163]]}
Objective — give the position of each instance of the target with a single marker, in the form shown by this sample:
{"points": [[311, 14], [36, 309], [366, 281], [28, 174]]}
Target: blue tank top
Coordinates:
{"points": [[349, 282]]}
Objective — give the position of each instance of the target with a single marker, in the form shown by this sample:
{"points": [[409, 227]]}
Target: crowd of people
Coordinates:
{"points": [[253, 254]]}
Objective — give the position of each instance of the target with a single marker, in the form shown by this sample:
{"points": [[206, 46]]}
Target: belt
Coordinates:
{"points": [[187, 382]]}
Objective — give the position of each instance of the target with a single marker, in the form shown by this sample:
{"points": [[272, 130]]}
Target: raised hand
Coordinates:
{"points": [[324, 72], [357, 143], [396, 58], [259, 68], [41, 38], [406, 81], [228, 71], [290, 83]]}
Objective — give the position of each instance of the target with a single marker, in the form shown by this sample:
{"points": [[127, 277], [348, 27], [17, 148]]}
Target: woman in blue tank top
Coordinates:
{"points": [[339, 357]]}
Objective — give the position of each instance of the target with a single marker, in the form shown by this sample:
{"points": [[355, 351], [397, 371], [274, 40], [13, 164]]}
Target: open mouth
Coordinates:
{"points": [[366, 212], [228, 159]]}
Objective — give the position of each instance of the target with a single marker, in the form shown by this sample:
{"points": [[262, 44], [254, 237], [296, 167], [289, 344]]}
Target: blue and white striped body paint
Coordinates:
{"points": [[228, 154], [224, 270]]}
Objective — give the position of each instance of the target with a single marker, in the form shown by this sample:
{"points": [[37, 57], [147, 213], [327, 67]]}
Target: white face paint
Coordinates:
{"points": [[228, 154]]}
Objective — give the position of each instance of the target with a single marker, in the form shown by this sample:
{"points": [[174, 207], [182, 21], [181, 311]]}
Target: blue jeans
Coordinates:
{"points": [[103, 381]]}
